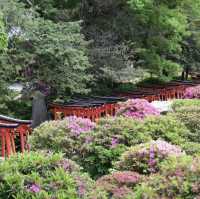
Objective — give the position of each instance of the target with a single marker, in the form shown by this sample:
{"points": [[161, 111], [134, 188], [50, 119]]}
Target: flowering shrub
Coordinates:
{"points": [[192, 92], [145, 158], [189, 115], [108, 141], [112, 137], [187, 112], [61, 135], [137, 109], [118, 185], [167, 128], [42, 176], [78, 125], [178, 178], [95, 150]]}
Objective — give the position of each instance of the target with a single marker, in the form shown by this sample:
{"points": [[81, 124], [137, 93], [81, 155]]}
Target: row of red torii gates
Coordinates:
{"points": [[15, 130], [96, 107]]}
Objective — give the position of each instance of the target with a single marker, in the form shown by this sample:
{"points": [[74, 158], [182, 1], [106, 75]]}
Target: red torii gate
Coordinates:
{"points": [[9, 129], [171, 90]]}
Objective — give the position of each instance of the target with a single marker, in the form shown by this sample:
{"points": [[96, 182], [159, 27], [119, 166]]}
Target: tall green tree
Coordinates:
{"points": [[162, 26], [43, 50], [190, 58]]}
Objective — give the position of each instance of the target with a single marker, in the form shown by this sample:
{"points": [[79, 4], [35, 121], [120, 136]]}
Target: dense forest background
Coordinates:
{"points": [[83, 46]]}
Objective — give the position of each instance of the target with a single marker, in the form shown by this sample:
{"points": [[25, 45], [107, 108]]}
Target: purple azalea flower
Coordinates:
{"points": [[114, 142], [79, 125], [34, 188], [151, 154], [121, 192], [192, 92], [137, 109]]}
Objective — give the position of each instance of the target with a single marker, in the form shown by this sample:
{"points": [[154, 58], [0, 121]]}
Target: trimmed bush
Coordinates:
{"points": [[145, 158], [187, 112], [153, 81], [94, 150], [137, 109], [42, 176]]}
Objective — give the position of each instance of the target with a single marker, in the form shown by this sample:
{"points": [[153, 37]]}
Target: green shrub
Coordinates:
{"points": [[61, 136], [42, 176], [108, 141], [191, 148], [178, 178], [189, 115], [188, 112], [153, 81], [167, 128], [177, 104], [145, 158], [95, 150], [125, 87], [175, 128], [125, 132], [118, 185]]}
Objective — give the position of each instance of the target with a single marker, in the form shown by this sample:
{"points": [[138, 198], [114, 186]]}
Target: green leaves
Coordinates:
{"points": [[165, 24], [3, 35], [41, 176], [55, 53], [140, 5]]}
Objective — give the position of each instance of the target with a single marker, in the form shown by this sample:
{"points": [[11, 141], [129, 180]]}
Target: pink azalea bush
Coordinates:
{"points": [[118, 185], [145, 158], [192, 92], [137, 109], [64, 135], [78, 125]]}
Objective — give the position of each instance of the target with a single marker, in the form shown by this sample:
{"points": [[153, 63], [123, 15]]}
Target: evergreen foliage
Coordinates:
{"points": [[163, 26], [42, 50]]}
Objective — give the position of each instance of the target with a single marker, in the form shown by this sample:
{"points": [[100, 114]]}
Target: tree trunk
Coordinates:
{"points": [[183, 75], [187, 72], [39, 110]]}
